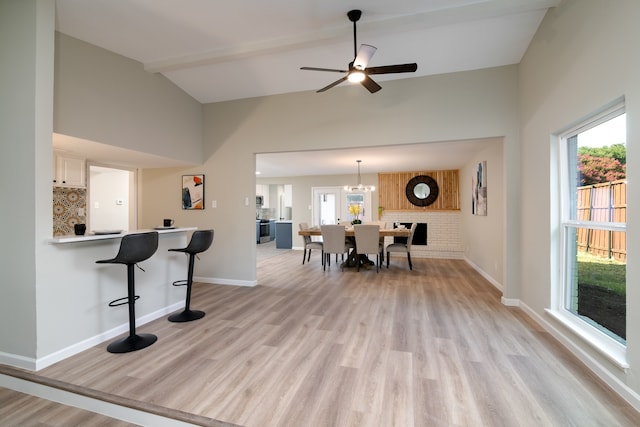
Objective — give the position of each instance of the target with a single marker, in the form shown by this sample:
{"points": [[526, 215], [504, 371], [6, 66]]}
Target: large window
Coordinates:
{"points": [[593, 223]]}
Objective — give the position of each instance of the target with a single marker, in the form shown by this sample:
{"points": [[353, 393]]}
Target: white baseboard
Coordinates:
{"points": [[232, 282], [17, 361], [600, 371], [484, 274], [48, 360], [510, 302]]}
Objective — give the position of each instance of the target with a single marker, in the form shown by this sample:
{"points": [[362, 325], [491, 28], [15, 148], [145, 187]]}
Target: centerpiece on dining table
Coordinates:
{"points": [[354, 210]]}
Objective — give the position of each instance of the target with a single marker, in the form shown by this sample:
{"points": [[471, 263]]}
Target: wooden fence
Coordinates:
{"points": [[605, 202]]}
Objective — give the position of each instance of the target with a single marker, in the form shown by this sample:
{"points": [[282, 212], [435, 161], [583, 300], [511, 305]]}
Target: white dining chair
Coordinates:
{"points": [[368, 242], [403, 247], [310, 244], [334, 241]]}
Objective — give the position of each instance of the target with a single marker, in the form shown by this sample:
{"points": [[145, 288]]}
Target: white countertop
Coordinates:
{"points": [[93, 237]]}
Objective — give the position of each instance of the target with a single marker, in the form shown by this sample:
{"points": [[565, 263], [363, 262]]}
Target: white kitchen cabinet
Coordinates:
{"points": [[288, 195], [69, 171]]}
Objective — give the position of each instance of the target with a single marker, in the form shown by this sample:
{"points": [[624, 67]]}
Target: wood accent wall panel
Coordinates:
{"points": [[391, 191]]}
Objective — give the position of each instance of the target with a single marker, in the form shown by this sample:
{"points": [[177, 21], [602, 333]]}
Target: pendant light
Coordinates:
{"points": [[360, 187]]}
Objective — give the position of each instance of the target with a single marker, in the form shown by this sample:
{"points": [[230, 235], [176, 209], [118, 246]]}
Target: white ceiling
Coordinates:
{"points": [[224, 50], [395, 158]]}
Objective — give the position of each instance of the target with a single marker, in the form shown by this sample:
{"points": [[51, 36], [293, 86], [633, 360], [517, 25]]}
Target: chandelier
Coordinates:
{"points": [[359, 187]]}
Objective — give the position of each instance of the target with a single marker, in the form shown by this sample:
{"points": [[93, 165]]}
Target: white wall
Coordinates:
{"points": [[478, 104], [26, 111], [484, 235], [99, 96], [584, 56], [110, 99]]}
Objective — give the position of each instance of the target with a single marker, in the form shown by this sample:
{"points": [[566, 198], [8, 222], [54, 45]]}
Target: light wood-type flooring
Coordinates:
{"points": [[23, 410], [307, 347]]}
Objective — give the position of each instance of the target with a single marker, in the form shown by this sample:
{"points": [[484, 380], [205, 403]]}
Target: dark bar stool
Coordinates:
{"points": [[134, 248], [200, 241]]}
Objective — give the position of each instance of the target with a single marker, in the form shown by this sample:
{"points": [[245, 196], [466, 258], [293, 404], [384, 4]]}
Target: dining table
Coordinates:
{"points": [[353, 257]]}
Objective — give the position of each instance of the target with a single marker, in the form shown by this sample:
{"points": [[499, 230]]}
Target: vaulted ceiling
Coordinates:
{"points": [[219, 51]]}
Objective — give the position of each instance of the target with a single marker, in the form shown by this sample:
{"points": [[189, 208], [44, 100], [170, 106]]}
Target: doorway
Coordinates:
{"points": [[112, 198], [330, 205]]}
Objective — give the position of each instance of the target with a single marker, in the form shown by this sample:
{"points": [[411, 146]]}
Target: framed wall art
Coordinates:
{"points": [[479, 190], [193, 192]]}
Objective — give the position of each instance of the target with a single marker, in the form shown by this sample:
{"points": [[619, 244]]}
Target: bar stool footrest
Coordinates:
{"points": [[184, 282], [125, 300]]}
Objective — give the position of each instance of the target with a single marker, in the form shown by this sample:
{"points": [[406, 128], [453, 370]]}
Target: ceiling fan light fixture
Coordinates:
{"points": [[356, 76], [358, 71]]}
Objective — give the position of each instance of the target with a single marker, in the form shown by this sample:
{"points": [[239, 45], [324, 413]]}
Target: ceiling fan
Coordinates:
{"points": [[358, 71]]}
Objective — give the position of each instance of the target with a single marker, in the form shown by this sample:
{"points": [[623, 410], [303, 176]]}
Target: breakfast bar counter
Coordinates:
{"points": [[116, 234], [78, 290]]}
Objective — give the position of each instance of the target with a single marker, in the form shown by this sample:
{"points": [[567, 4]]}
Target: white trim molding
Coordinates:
{"points": [[596, 367]]}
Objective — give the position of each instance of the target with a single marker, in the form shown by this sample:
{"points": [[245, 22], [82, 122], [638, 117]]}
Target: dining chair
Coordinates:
{"points": [[310, 244], [367, 242], [382, 225], [403, 247], [334, 242], [349, 241]]}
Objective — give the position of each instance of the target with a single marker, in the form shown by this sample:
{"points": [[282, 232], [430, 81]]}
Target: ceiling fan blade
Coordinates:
{"points": [[371, 86], [364, 56], [389, 69], [333, 70], [336, 83]]}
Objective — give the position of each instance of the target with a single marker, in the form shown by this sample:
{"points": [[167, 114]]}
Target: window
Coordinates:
{"points": [[593, 224], [330, 205]]}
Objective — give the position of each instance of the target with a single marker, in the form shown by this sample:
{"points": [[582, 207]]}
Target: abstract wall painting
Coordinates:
{"points": [[479, 190], [193, 192]]}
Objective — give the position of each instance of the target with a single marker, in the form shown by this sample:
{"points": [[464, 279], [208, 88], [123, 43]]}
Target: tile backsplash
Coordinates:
{"points": [[68, 204]]}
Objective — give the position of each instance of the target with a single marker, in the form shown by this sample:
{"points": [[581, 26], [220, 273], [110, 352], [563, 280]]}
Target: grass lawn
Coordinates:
{"points": [[605, 273]]}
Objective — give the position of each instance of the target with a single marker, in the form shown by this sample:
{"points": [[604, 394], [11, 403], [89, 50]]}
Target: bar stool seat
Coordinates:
{"points": [[134, 248], [200, 241]]}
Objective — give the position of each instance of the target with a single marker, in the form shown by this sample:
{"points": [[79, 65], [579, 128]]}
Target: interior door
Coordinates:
{"points": [[325, 205]]}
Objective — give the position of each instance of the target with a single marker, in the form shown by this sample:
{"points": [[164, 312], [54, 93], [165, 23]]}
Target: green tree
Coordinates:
{"points": [[615, 151]]}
